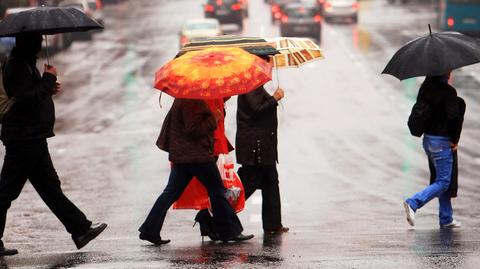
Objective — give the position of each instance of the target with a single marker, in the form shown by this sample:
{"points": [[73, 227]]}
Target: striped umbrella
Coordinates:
{"points": [[294, 52]]}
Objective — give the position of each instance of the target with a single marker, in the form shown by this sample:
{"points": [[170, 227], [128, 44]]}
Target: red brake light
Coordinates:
{"points": [[236, 6], [317, 18], [327, 5], [219, 2], [275, 8], [99, 4], [355, 6], [183, 40], [278, 15], [284, 18], [450, 22], [209, 8]]}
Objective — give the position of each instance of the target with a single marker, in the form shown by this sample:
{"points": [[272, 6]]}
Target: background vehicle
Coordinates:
{"points": [[301, 19], [225, 11], [199, 28], [460, 15], [318, 3], [92, 8], [277, 6], [340, 9]]}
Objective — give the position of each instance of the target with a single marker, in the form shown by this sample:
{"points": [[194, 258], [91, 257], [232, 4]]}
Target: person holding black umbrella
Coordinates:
{"points": [[25, 129], [440, 141]]}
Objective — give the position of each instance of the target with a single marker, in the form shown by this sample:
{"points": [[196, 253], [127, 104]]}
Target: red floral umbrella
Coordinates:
{"points": [[215, 72]]}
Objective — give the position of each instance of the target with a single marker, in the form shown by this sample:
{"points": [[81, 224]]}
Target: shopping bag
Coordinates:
{"points": [[195, 196]]}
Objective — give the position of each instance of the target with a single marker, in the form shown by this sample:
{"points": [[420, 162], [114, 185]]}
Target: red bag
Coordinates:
{"points": [[195, 195]]}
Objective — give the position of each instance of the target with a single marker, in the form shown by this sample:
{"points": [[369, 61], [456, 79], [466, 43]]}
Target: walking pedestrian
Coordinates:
{"points": [[256, 151], [187, 135], [25, 129], [440, 140]]}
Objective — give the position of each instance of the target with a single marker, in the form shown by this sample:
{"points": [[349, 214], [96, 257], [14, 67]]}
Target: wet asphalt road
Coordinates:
{"points": [[346, 157]]}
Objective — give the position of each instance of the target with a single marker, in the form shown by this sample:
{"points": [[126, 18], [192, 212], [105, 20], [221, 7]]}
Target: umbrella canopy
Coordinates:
{"points": [[294, 51], [433, 55], [212, 73], [47, 21], [254, 45]]}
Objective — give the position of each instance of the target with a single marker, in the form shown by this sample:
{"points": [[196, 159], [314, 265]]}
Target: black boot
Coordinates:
{"points": [[157, 241], [207, 227]]}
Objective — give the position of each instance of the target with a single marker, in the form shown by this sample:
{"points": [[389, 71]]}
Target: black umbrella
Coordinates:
{"points": [[433, 55], [47, 21], [254, 45]]}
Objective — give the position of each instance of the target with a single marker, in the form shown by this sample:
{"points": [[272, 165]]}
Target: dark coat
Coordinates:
{"points": [[187, 132], [32, 116], [256, 138], [453, 188], [445, 118]]}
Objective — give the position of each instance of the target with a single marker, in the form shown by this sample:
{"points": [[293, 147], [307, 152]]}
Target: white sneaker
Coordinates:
{"points": [[452, 225], [410, 214]]}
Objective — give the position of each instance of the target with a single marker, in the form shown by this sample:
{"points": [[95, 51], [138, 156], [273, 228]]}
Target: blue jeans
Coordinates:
{"points": [[439, 151]]}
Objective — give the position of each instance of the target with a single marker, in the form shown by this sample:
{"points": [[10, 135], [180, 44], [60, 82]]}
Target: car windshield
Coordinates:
{"points": [[201, 26], [300, 12]]}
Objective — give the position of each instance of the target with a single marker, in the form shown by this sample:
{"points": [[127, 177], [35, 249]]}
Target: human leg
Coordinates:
{"points": [[271, 205], [249, 175], [445, 209], [179, 178]]}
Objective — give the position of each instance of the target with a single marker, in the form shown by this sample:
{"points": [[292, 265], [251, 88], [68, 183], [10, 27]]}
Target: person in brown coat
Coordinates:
{"points": [[187, 135]]}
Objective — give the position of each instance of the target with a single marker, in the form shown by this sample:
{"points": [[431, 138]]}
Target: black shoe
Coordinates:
{"points": [[157, 241], [94, 231], [7, 251], [280, 230], [240, 237], [207, 227]]}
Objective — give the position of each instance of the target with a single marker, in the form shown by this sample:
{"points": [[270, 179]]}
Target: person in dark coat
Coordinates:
{"points": [[187, 135], [440, 141], [25, 129], [256, 151]]}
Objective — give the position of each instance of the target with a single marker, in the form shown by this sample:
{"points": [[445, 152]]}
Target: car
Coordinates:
{"points": [[301, 20], [276, 8], [317, 3], [225, 11], [199, 28], [93, 8], [341, 9]]}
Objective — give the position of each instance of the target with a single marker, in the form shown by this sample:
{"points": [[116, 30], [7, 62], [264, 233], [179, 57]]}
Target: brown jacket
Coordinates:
{"points": [[187, 132]]}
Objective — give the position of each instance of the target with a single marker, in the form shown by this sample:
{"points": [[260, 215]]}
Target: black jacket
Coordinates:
{"points": [[445, 117], [32, 116], [256, 139], [187, 132]]}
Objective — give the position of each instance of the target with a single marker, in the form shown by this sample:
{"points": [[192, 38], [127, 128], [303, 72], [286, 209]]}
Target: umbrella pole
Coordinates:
{"points": [[46, 50], [430, 28]]}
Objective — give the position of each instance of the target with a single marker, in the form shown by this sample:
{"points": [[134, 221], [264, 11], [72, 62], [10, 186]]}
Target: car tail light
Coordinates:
{"points": [[355, 6], [236, 6], [327, 5], [99, 4], [219, 2], [317, 18], [183, 40], [209, 8], [278, 15], [284, 19], [321, 1], [275, 8], [450, 22]]}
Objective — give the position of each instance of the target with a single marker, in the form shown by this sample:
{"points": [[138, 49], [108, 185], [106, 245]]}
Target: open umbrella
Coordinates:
{"points": [[254, 45], [294, 52], [433, 55], [212, 73], [47, 21]]}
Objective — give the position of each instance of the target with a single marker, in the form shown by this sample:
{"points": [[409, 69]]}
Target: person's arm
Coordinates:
{"points": [[454, 117], [25, 90], [198, 119], [259, 100]]}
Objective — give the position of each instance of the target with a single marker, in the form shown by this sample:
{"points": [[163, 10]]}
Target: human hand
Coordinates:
{"points": [[58, 88], [278, 94], [50, 69], [454, 146]]}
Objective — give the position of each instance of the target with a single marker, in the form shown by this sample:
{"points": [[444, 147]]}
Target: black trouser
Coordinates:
{"points": [[264, 177], [226, 221], [31, 160]]}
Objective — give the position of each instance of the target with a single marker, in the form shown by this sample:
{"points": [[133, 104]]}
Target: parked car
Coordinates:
{"points": [[301, 20], [225, 11], [276, 8], [340, 9], [199, 28]]}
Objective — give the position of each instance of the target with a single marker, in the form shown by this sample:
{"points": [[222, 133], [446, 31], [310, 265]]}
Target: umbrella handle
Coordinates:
{"points": [[46, 50], [160, 100]]}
